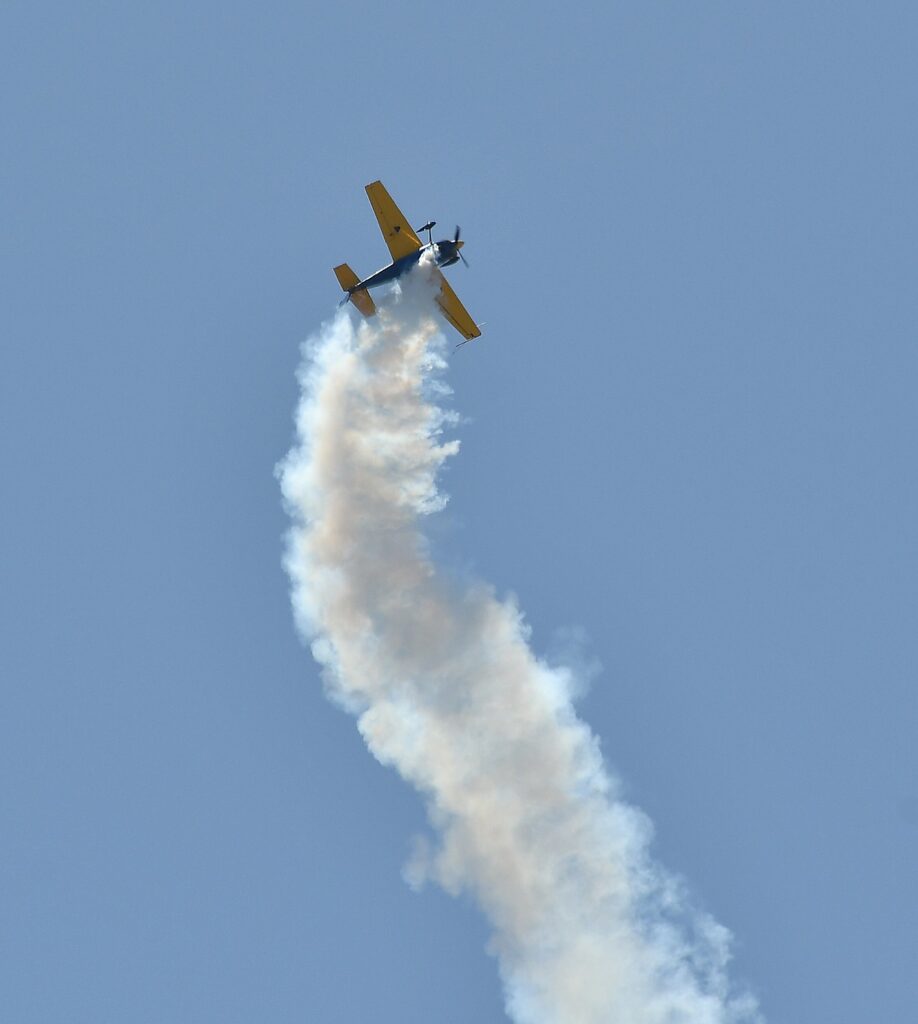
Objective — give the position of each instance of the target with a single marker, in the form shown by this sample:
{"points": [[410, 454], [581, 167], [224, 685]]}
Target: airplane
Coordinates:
{"points": [[406, 249]]}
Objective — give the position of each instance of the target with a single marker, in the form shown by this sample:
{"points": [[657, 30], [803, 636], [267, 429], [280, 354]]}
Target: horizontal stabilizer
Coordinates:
{"points": [[346, 277], [363, 301]]}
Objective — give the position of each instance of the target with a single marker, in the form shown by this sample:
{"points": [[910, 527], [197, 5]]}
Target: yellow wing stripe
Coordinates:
{"points": [[395, 228], [455, 312]]}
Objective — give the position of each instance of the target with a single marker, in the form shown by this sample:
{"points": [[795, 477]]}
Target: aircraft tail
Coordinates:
{"points": [[361, 299]]}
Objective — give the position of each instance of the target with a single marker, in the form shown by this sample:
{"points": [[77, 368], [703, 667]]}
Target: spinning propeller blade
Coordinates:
{"points": [[459, 245]]}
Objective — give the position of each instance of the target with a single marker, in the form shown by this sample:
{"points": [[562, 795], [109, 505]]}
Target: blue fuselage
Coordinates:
{"points": [[445, 253]]}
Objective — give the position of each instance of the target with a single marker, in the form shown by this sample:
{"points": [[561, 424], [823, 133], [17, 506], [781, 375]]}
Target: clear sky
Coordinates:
{"points": [[690, 429]]}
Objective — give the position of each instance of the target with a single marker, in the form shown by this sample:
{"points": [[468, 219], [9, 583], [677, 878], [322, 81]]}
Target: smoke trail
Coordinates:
{"points": [[586, 928]]}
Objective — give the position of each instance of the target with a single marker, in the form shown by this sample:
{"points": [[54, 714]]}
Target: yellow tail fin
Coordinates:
{"points": [[348, 279]]}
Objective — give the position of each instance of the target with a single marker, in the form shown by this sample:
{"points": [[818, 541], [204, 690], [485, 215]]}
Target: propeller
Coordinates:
{"points": [[459, 245]]}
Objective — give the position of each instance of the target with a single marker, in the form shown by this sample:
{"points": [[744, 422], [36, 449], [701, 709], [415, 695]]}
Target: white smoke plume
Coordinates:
{"points": [[587, 929]]}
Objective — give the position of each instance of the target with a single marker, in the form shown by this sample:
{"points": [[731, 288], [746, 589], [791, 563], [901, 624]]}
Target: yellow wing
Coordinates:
{"points": [[455, 312], [396, 230]]}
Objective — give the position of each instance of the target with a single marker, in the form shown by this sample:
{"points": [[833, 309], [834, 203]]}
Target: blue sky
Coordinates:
{"points": [[690, 429]]}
